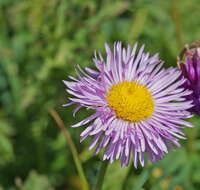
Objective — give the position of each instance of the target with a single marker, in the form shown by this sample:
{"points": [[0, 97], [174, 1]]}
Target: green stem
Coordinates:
{"points": [[72, 147], [101, 175]]}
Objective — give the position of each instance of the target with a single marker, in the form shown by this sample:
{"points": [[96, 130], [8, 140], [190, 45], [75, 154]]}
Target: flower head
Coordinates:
{"points": [[139, 107], [191, 71]]}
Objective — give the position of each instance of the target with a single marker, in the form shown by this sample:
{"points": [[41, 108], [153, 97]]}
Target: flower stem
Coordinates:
{"points": [[72, 147], [101, 175]]}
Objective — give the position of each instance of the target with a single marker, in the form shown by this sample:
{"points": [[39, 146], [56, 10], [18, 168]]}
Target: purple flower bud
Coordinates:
{"points": [[191, 71]]}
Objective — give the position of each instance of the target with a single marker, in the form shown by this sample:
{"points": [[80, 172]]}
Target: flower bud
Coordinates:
{"points": [[191, 71]]}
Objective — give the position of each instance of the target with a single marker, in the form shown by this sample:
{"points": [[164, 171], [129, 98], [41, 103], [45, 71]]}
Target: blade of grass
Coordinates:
{"points": [[177, 22], [72, 146], [137, 26], [141, 180], [101, 175]]}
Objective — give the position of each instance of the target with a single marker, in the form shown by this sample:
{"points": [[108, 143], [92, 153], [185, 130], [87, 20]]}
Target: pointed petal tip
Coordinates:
{"points": [[65, 82]]}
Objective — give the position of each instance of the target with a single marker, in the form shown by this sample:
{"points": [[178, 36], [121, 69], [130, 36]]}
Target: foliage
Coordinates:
{"points": [[40, 42]]}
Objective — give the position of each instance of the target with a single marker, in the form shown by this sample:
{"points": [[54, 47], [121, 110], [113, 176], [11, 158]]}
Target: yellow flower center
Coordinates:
{"points": [[131, 101]]}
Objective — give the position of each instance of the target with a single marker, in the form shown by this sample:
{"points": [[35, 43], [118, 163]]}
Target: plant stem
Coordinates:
{"points": [[101, 175], [72, 147]]}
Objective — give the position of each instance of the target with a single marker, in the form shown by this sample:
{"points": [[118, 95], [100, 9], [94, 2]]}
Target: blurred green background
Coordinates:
{"points": [[40, 43]]}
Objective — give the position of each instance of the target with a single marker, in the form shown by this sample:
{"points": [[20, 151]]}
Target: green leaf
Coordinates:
{"points": [[36, 181], [115, 175]]}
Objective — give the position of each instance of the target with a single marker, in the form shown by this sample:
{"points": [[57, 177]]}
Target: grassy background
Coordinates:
{"points": [[40, 42]]}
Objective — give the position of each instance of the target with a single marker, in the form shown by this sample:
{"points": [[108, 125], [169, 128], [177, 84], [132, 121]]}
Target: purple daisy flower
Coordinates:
{"points": [[139, 107], [191, 71]]}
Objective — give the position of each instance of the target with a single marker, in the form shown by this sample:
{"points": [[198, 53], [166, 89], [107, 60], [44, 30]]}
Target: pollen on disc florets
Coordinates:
{"points": [[131, 101]]}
